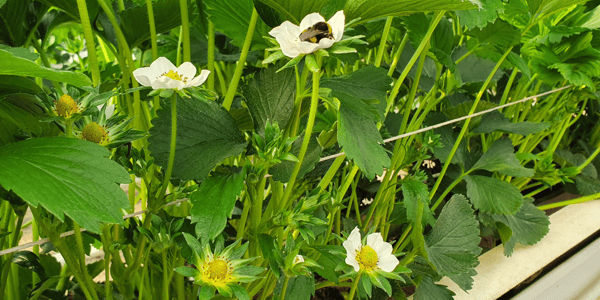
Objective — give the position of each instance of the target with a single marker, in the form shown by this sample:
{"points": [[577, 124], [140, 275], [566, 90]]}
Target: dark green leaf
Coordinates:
{"points": [[372, 9], [500, 33], [415, 191], [300, 288], [232, 17], [12, 65], [493, 195], [520, 63], [271, 251], [428, 290], [500, 157], [452, 244], [134, 20], [567, 159], [473, 68], [206, 134], [464, 280], [213, 202], [587, 185], [14, 16], [283, 171], [329, 260], [496, 121], [357, 131], [448, 138], [270, 96], [30, 261], [72, 177], [529, 225], [293, 10]]}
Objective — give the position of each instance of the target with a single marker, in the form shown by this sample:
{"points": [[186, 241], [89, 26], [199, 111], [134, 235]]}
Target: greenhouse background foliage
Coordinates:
{"points": [[286, 149]]}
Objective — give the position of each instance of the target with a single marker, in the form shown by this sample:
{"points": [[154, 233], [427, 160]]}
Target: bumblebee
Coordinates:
{"points": [[316, 33]]}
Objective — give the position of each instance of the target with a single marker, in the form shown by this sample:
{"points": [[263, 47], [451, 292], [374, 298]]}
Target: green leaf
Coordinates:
{"points": [[213, 202], [300, 288], [18, 84], [187, 271], [329, 260], [14, 23], [586, 185], [480, 18], [358, 134], [428, 290], [270, 96], [293, 10], [473, 68], [371, 9], [232, 17], [464, 280], [493, 195], [20, 52], [206, 135], [448, 137], [13, 65], [270, 249], [415, 191], [496, 122], [239, 292], [452, 244], [134, 20], [529, 225], [500, 33], [567, 159], [283, 171], [517, 61], [72, 177], [29, 260], [500, 157]]}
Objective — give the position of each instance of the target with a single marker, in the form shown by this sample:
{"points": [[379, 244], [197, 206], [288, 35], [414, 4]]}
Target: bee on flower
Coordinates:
{"points": [[314, 33]]}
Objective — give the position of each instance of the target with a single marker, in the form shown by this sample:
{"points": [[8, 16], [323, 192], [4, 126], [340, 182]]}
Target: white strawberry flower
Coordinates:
{"points": [[163, 74], [373, 256], [314, 33]]}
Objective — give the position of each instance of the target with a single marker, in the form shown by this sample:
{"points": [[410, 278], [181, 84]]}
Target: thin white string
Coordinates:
{"points": [[137, 213]]}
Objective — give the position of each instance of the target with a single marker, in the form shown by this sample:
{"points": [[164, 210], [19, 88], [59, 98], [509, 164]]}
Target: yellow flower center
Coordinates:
{"points": [[367, 258], [93, 132], [66, 106], [174, 75], [218, 270]]}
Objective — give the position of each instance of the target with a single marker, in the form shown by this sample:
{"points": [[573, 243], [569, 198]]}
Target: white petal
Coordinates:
{"points": [[310, 20], [187, 69], [375, 241], [286, 35], [286, 27], [325, 43], [337, 23], [307, 47], [162, 65], [353, 242], [175, 84], [351, 260], [388, 263], [198, 80], [167, 83], [144, 76]]}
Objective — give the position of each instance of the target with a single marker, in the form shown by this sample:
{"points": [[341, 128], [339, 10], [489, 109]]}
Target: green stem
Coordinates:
{"points": [[211, 56], [107, 253], [8, 262], [179, 280], [354, 286], [242, 61], [589, 160], [285, 285], [569, 202], [169, 171], [241, 229], [165, 281], [331, 172], [258, 196], [154, 44], [89, 41], [45, 61], [81, 254], [465, 127], [398, 54], [382, 43], [314, 103], [185, 30], [396, 89]]}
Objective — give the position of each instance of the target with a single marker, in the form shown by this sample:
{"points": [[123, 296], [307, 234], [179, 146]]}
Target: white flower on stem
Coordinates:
{"points": [[375, 255], [313, 33], [163, 74], [298, 259]]}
